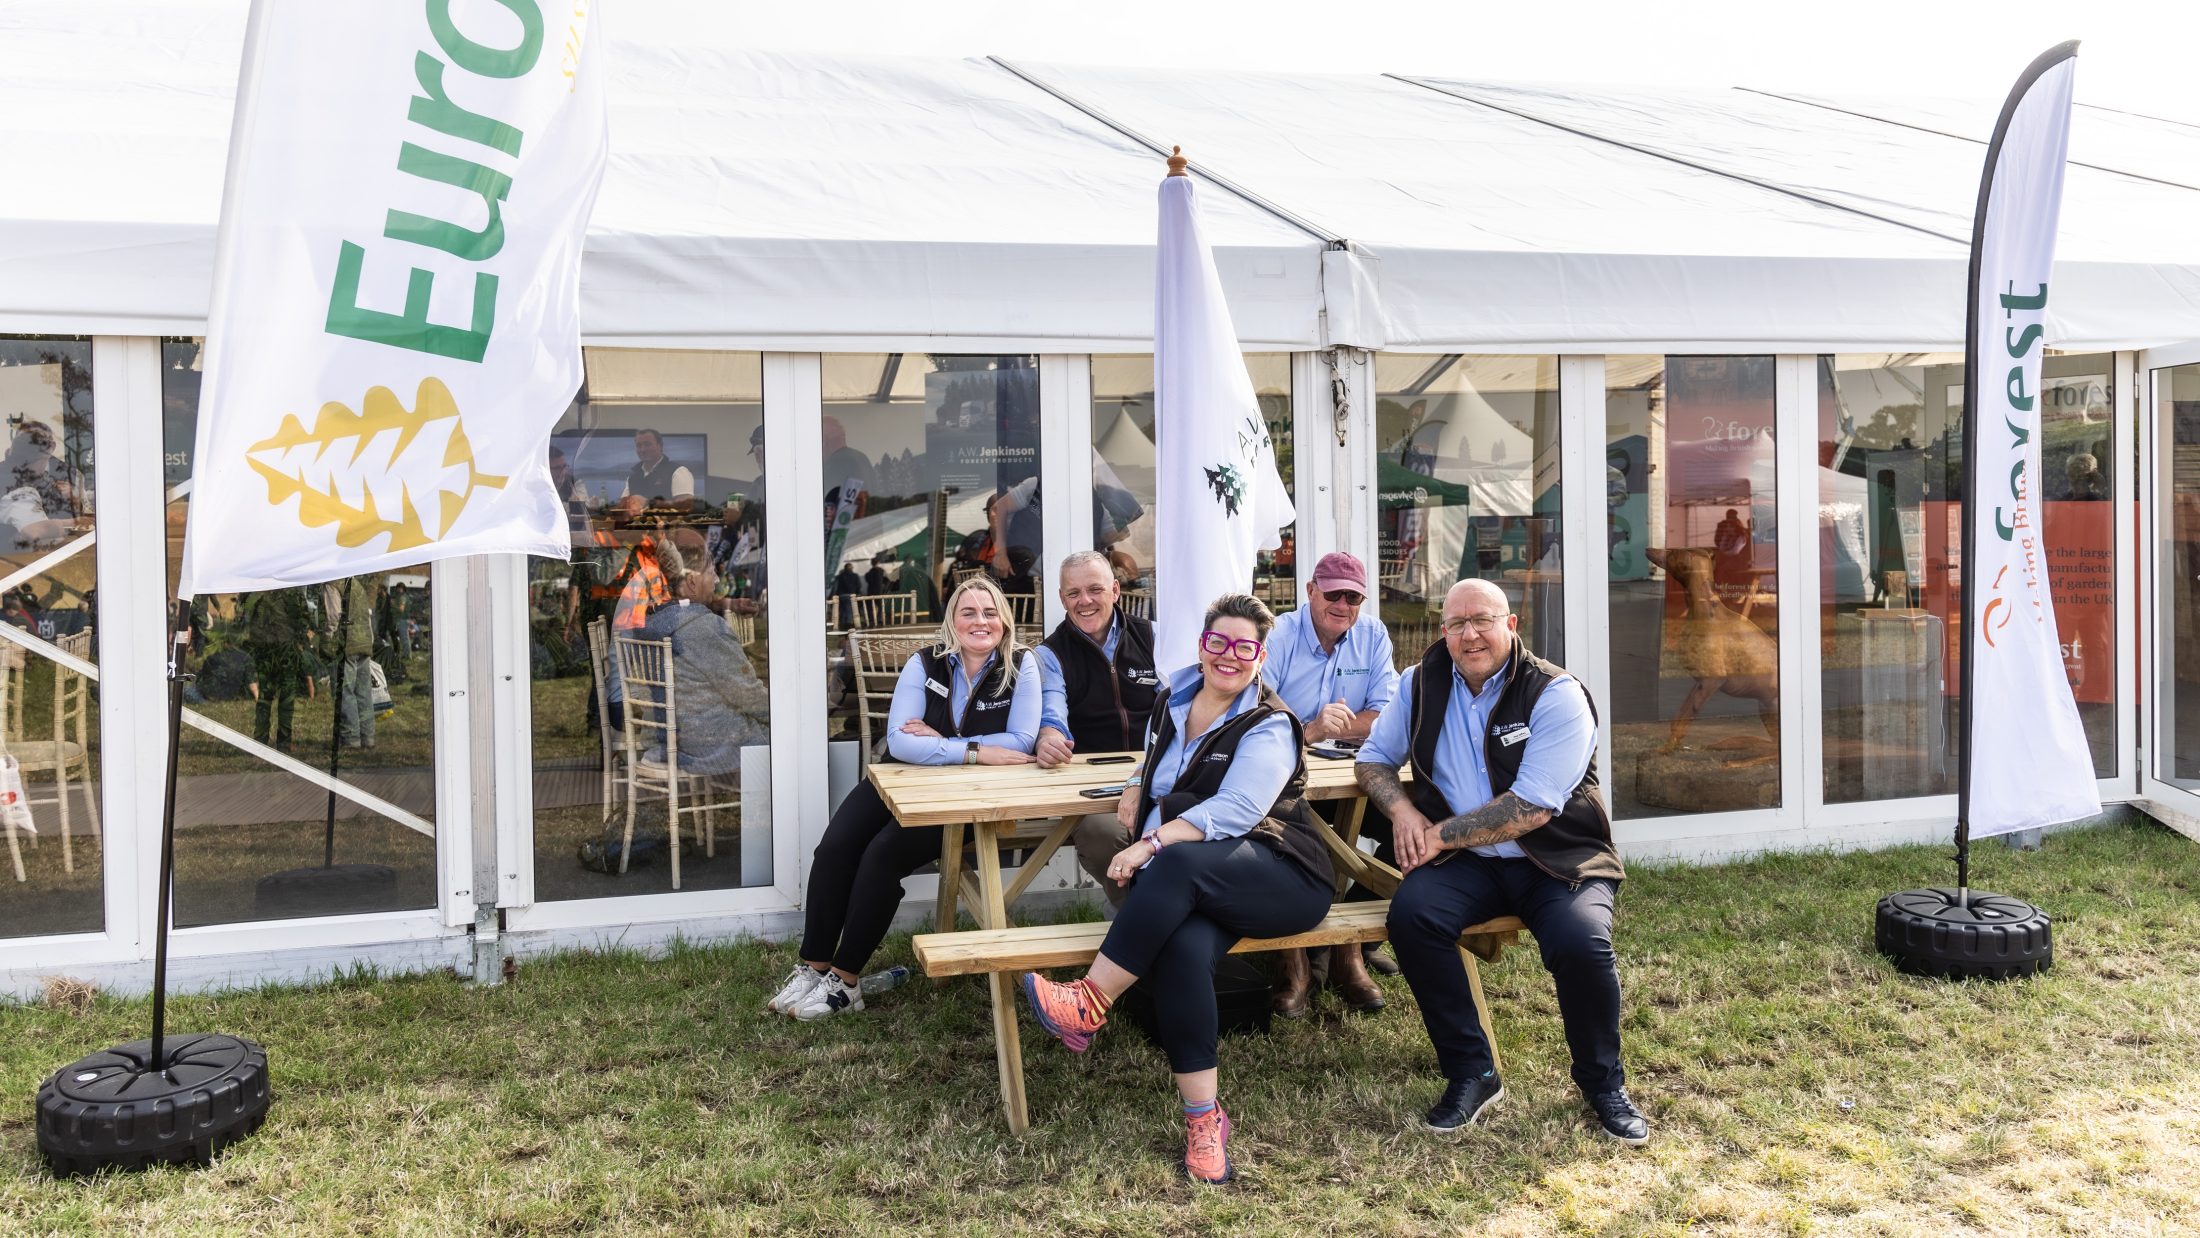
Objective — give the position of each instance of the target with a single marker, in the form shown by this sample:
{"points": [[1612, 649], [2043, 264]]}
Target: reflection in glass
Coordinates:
{"points": [[1467, 480], [1695, 594], [1890, 540], [931, 476], [661, 464], [1124, 488], [51, 875], [2177, 397], [336, 677]]}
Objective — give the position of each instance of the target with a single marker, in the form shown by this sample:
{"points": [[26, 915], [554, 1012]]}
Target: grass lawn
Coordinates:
{"points": [[1796, 1085]]}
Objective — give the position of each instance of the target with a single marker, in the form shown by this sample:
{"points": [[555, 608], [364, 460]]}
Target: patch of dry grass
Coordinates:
{"points": [[1796, 1083]]}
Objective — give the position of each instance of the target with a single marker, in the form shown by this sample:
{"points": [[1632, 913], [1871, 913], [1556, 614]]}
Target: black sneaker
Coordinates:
{"points": [[1619, 1117], [1463, 1101], [1378, 962]]}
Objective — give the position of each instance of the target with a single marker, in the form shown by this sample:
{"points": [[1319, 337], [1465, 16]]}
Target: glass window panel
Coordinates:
{"points": [[2078, 446], [1467, 486], [931, 473], [1124, 487], [336, 677], [1890, 539], [661, 462], [1692, 526], [2177, 396], [51, 877]]}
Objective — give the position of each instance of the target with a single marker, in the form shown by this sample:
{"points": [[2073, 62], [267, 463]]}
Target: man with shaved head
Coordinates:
{"points": [[1503, 818]]}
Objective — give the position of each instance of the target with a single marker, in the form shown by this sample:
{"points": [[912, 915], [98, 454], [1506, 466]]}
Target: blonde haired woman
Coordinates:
{"points": [[972, 699]]}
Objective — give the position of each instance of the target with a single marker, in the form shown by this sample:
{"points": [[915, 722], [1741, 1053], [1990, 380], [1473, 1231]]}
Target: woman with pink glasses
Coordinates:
{"points": [[1226, 849]]}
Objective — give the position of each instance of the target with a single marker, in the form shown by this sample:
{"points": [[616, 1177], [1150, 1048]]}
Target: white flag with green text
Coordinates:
{"points": [[2029, 762], [1220, 499], [396, 310]]}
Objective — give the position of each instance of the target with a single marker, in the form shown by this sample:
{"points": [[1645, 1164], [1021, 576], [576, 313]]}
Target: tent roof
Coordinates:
{"points": [[843, 204]]}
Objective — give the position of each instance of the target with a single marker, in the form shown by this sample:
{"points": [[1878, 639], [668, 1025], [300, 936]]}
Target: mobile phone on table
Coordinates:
{"points": [[1119, 759], [1102, 793], [1333, 752]]}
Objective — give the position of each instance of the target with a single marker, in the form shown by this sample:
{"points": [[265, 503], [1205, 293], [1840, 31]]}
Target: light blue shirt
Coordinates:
{"points": [[1359, 672], [1054, 697], [1257, 774], [1562, 735], [1023, 712]]}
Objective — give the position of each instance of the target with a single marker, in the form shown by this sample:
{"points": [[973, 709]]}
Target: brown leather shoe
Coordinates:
{"points": [[1348, 976], [1294, 998]]}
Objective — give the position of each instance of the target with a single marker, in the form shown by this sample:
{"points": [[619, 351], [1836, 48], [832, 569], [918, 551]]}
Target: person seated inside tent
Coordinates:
{"points": [[971, 699], [722, 706], [1225, 850]]}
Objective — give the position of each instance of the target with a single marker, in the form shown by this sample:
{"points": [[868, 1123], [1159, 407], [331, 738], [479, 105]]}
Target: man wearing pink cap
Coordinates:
{"points": [[1332, 667]]}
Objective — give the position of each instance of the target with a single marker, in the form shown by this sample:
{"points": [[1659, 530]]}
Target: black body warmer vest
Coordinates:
{"points": [[1289, 826], [1576, 843], [984, 713], [1109, 702]]}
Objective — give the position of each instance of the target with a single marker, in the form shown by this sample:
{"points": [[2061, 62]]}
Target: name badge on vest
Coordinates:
{"points": [[935, 686], [1218, 756], [1145, 679], [1516, 733]]}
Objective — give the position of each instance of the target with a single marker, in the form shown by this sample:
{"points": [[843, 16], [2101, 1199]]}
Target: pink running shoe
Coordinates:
{"points": [[1207, 1148], [1067, 1011]]}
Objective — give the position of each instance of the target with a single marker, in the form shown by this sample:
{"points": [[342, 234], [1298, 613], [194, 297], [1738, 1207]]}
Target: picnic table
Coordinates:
{"points": [[994, 803]]}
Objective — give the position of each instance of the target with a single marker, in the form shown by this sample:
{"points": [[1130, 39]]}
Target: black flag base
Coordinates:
{"points": [[119, 1109], [1950, 936]]}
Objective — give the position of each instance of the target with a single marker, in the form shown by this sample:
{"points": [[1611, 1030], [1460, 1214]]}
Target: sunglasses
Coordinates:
{"points": [[1243, 649], [1346, 596]]}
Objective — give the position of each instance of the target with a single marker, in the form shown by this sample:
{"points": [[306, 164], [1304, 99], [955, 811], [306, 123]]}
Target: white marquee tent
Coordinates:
{"points": [[779, 218], [800, 202]]}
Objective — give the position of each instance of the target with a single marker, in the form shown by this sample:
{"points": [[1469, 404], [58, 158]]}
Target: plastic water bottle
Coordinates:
{"points": [[880, 981]]}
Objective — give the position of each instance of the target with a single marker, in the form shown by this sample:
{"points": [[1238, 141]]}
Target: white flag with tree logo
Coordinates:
{"points": [[395, 325], [1220, 498]]}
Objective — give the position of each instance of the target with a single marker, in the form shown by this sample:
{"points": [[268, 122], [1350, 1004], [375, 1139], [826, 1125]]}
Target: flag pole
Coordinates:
{"points": [[1962, 934]]}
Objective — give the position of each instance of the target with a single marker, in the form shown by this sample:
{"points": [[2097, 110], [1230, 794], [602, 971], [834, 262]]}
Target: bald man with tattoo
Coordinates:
{"points": [[1503, 818]]}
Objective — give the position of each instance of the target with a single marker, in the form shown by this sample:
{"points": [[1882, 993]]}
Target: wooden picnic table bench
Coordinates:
{"points": [[999, 952]]}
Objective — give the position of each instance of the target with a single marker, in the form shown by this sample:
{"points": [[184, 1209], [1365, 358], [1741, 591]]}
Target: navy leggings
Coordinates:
{"points": [[1185, 911], [855, 879]]}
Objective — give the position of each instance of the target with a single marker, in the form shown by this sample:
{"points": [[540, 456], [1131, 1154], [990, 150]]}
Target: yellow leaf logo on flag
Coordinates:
{"points": [[370, 473]]}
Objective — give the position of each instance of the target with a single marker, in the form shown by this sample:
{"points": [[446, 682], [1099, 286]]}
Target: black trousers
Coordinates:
{"points": [[1185, 911], [1572, 926], [855, 879]]}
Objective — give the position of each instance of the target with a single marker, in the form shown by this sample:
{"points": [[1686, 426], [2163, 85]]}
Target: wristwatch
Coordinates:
{"points": [[970, 754]]}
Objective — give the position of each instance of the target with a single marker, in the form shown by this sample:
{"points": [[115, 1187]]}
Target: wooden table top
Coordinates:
{"points": [[924, 795]]}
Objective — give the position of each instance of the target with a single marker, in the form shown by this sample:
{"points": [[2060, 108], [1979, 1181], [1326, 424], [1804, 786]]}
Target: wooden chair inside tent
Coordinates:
{"points": [[742, 626], [885, 610], [616, 771], [1138, 604], [64, 751], [877, 659], [1024, 609], [962, 574], [653, 724]]}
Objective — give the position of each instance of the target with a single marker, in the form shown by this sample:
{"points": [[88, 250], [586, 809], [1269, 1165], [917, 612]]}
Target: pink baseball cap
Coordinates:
{"points": [[1338, 570]]}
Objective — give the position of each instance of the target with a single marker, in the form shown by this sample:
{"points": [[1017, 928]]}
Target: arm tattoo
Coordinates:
{"points": [[1380, 783], [1500, 821]]}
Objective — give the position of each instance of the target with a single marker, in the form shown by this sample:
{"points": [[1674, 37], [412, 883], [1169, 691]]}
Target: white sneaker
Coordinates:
{"points": [[800, 982], [831, 996]]}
